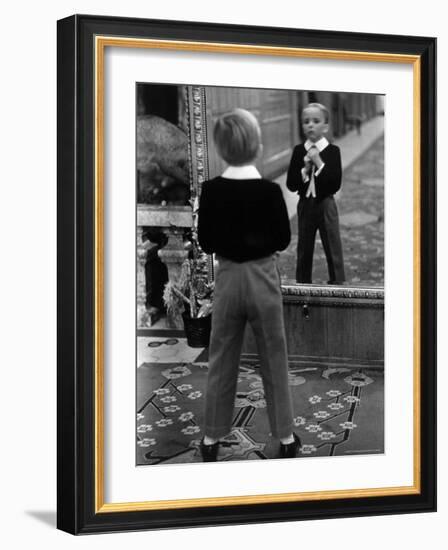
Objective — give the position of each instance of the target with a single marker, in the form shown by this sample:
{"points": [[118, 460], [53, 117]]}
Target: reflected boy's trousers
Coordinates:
{"points": [[321, 215], [247, 292]]}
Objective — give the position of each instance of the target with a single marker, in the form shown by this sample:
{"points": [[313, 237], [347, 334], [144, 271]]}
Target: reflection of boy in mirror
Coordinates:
{"points": [[244, 221], [315, 172]]}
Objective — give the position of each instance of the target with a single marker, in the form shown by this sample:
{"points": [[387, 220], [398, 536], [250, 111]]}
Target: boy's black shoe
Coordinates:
{"points": [[289, 450], [209, 452]]}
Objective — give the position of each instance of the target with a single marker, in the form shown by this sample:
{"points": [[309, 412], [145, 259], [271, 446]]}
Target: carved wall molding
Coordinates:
{"points": [[334, 294], [198, 138]]}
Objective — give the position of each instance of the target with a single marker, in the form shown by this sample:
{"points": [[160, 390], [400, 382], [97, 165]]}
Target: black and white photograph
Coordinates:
{"points": [[260, 273]]}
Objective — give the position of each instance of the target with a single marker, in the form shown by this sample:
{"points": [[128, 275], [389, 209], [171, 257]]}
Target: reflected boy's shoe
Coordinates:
{"points": [[290, 450], [209, 453]]}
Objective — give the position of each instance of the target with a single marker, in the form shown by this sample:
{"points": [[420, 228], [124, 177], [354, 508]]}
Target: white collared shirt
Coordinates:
{"points": [[247, 172], [320, 144]]}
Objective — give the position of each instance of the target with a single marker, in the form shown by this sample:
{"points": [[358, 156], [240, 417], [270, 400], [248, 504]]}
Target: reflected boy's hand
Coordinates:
{"points": [[307, 163], [313, 154]]}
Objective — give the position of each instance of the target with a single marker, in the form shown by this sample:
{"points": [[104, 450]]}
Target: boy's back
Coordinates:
{"points": [[243, 219]]}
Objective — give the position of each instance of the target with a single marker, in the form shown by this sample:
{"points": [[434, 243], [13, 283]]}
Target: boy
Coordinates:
{"points": [[244, 221], [315, 173]]}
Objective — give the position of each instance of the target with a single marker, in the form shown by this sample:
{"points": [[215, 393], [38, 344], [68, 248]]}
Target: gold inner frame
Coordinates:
{"points": [[101, 42]]}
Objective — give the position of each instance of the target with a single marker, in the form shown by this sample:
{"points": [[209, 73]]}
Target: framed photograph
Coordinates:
{"points": [[205, 330]]}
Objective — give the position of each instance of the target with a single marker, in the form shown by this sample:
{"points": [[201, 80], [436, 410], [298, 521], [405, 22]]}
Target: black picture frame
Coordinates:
{"points": [[78, 511]]}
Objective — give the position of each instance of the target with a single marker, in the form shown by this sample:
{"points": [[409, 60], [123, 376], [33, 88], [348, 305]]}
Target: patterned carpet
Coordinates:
{"points": [[338, 412]]}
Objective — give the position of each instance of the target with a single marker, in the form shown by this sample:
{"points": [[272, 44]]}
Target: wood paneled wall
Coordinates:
{"points": [[328, 332]]}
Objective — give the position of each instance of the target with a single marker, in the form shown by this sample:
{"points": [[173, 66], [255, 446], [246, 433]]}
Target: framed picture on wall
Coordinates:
{"points": [[343, 135]]}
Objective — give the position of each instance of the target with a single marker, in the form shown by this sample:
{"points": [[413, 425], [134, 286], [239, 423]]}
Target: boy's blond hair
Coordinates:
{"points": [[322, 109], [237, 137]]}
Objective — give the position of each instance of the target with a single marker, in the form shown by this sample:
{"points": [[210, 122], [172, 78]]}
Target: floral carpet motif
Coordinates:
{"points": [[338, 412]]}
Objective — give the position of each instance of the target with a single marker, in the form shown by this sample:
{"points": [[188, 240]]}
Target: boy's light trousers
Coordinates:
{"points": [[247, 292]]}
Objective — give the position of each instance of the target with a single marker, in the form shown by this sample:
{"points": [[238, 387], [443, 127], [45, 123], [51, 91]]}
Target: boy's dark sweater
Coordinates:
{"points": [[242, 220], [328, 182]]}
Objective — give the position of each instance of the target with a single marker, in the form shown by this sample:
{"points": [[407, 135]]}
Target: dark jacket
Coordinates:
{"points": [[242, 219], [328, 182]]}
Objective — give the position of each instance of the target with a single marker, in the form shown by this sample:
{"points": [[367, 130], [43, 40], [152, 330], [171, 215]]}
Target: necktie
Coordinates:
{"points": [[312, 186]]}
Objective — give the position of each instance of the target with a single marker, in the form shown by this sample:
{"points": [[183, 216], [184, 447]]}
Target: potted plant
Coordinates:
{"points": [[191, 295]]}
